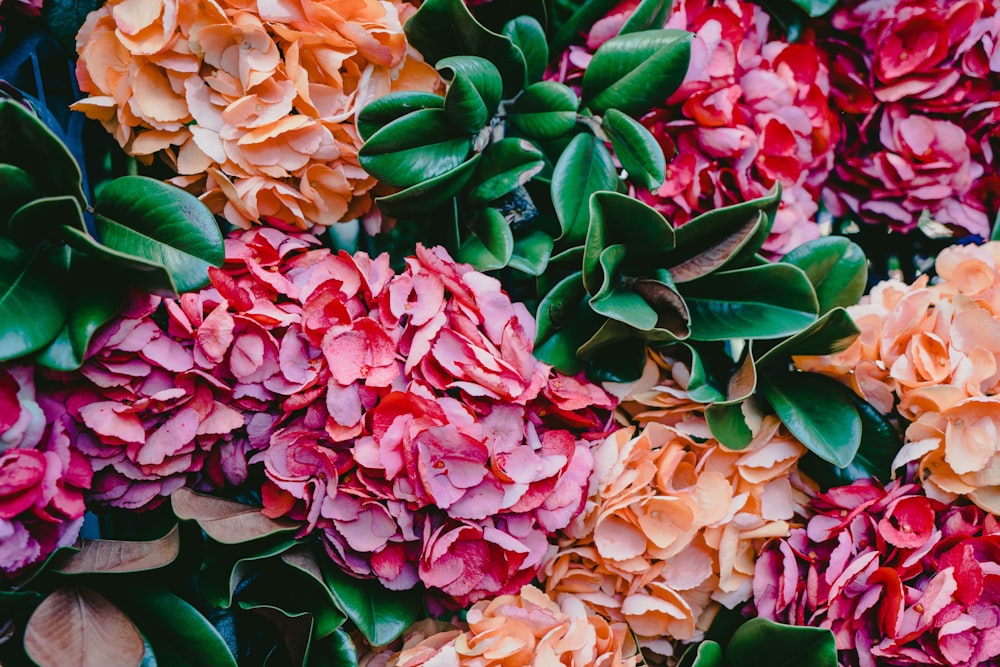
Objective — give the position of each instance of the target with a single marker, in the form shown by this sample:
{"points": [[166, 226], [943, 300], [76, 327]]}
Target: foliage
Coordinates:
{"points": [[763, 642]]}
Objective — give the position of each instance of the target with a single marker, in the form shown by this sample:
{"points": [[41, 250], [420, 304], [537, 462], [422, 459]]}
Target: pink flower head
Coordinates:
{"points": [[899, 578]]}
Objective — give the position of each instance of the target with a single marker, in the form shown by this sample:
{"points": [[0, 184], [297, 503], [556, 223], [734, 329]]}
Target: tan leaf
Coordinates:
{"points": [[76, 627], [226, 521], [122, 556], [714, 256]]}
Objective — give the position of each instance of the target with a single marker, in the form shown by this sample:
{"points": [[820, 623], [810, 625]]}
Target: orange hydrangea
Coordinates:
{"points": [[251, 102], [528, 629], [931, 353], [674, 520]]}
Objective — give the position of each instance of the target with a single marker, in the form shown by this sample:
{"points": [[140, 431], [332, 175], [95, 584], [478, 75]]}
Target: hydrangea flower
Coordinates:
{"points": [[899, 578], [251, 103]]}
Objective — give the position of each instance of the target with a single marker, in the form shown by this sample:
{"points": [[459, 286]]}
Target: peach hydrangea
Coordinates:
{"points": [[931, 354], [252, 103], [674, 519], [526, 628]]}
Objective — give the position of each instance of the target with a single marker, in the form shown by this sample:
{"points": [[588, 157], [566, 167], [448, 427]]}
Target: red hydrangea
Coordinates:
{"points": [[401, 416], [900, 578], [752, 111], [917, 84]]}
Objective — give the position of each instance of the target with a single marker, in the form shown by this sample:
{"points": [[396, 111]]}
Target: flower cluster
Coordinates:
{"points": [[527, 628], [251, 103], [752, 111], [400, 415], [672, 525], [42, 478], [931, 353], [899, 578], [916, 83]]}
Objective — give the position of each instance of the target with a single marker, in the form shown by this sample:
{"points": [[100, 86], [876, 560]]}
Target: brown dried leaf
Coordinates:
{"points": [[714, 256], [76, 627], [226, 521], [743, 382], [107, 556], [671, 311]]}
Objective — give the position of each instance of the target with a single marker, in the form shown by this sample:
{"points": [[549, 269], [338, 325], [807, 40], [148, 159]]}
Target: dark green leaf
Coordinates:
{"points": [[41, 219], [491, 244], [226, 567], [611, 332], [763, 642], [505, 165], [581, 21], [565, 322], [17, 187], [337, 650], [380, 112], [415, 148], [59, 355], [529, 36], [473, 92], [380, 615], [135, 271], [816, 7], [830, 334], [759, 302], [429, 195], [816, 411], [27, 143], [495, 15], [649, 14], [443, 28], [637, 149], [328, 618], [635, 72], [705, 654], [836, 267], [701, 387], [65, 17], [544, 111], [618, 362], [728, 424], [34, 304], [531, 253], [178, 634], [616, 300], [583, 169]]}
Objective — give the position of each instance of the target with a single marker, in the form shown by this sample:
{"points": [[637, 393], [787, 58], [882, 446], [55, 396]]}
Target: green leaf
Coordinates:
{"points": [[27, 143], [581, 21], [816, 411], [491, 244], [34, 304], [836, 267], [443, 28], [134, 271], [816, 7], [17, 187], [584, 168], [380, 615], [637, 149], [611, 332], [701, 388], [495, 15], [59, 355], [727, 423], [705, 654], [763, 642], [160, 223], [565, 321], [65, 18], [380, 112], [618, 362], [759, 302], [545, 110], [415, 148], [505, 165], [831, 333], [635, 72], [40, 220], [429, 195], [529, 36], [178, 634], [531, 253], [328, 618], [337, 650], [617, 301], [226, 567], [649, 14], [473, 92]]}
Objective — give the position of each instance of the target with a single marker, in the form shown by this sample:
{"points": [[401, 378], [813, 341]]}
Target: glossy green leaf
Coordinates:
{"points": [[763, 642], [27, 143], [618, 362], [505, 165], [728, 424], [138, 272], [705, 654], [337, 650], [616, 301], [816, 411], [34, 303], [473, 92], [177, 632], [431, 194], [649, 14], [495, 15], [531, 253], [152, 220], [611, 332], [816, 7], [831, 333], [586, 14], [758, 302], [637, 149], [415, 148], [635, 72], [836, 267], [323, 607], [565, 321], [59, 355], [64, 18], [584, 168], [701, 387], [491, 244], [529, 36], [17, 187], [544, 111], [380, 615], [225, 567], [381, 111], [443, 28], [40, 220]]}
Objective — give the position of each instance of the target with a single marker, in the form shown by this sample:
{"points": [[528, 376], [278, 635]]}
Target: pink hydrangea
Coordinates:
{"points": [[900, 578], [752, 111], [916, 84]]}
